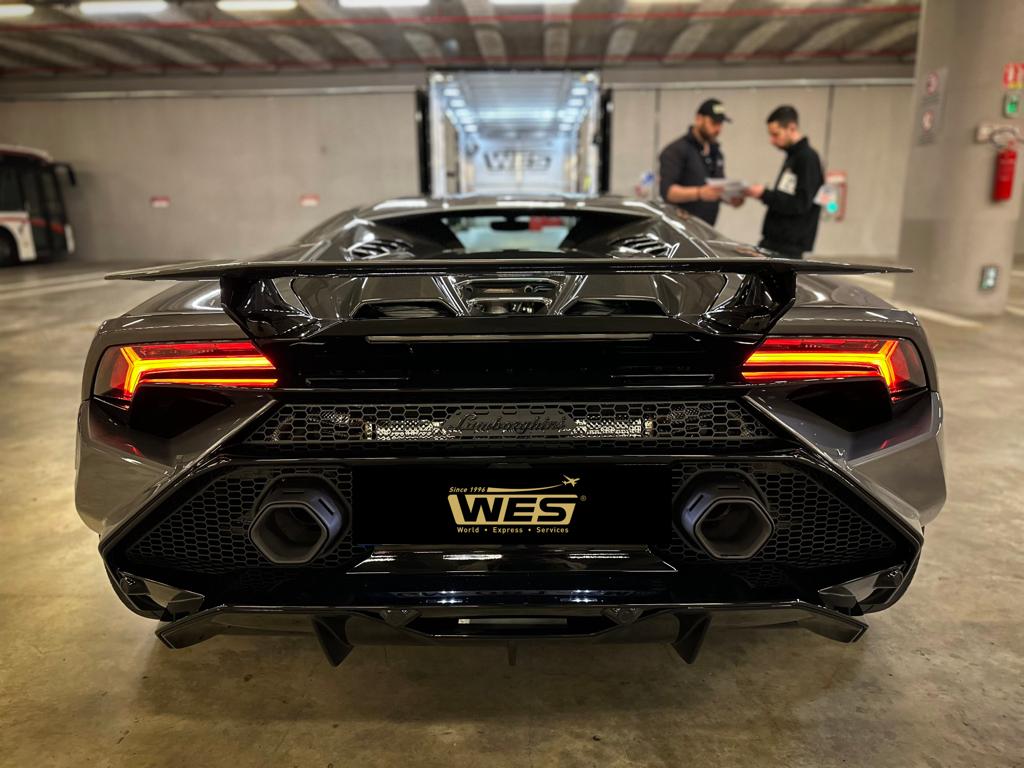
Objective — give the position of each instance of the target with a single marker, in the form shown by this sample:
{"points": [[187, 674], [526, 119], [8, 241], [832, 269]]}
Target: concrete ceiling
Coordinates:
{"points": [[194, 37]]}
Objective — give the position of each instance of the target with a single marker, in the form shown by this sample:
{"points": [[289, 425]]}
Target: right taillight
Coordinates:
{"points": [[792, 358], [123, 370]]}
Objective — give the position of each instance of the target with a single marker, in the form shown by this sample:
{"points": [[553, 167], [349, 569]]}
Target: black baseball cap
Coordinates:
{"points": [[714, 109]]}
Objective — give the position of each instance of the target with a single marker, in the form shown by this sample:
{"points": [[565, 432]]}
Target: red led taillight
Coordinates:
{"points": [[895, 361], [201, 363]]}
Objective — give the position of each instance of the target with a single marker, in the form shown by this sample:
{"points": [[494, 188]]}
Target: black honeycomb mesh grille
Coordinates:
{"points": [[814, 527], [703, 423], [209, 533]]}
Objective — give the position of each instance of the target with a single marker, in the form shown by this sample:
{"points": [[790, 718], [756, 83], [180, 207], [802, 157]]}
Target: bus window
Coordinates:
{"points": [[10, 194], [53, 208], [36, 215]]}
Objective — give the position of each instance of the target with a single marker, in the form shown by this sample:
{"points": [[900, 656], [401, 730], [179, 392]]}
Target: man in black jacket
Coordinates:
{"points": [[791, 221], [686, 165]]}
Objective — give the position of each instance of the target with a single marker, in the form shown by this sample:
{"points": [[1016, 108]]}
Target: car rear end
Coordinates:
{"points": [[620, 478]]}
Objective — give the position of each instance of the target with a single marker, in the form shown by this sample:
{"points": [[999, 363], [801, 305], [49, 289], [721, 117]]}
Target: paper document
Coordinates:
{"points": [[731, 188]]}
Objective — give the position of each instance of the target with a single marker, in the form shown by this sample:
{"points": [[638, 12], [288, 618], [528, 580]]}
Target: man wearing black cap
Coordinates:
{"points": [[688, 162]]}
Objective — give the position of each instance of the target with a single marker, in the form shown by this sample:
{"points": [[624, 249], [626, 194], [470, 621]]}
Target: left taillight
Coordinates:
{"points": [[801, 359], [122, 370]]}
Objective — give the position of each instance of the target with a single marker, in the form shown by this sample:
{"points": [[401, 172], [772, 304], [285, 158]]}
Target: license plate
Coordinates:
{"points": [[539, 504]]}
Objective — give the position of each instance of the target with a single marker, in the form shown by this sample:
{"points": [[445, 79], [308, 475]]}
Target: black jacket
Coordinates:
{"points": [[683, 162], [791, 222]]}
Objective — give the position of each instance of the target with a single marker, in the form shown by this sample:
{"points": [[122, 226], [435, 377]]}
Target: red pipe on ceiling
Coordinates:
{"points": [[509, 18], [463, 61]]}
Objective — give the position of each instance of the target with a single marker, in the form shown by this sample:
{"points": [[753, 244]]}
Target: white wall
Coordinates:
{"points": [[869, 138], [234, 168]]}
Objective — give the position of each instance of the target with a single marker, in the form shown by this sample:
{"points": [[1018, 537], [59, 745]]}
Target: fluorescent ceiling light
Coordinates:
{"points": [[566, 126], [245, 6], [575, 102], [383, 3], [457, 103], [580, 90], [533, 2], [452, 90], [470, 128], [500, 114], [114, 7], [15, 11]]}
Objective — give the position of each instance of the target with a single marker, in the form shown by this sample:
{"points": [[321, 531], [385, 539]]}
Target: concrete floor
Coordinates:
{"points": [[938, 681]]}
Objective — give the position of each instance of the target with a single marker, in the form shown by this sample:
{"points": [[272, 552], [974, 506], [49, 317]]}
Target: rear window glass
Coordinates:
{"points": [[480, 234]]}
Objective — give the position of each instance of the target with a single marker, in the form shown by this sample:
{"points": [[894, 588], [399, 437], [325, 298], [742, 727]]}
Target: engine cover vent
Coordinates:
{"points": [[374, 249], [402, 310], [648, 245], [605, 307]]}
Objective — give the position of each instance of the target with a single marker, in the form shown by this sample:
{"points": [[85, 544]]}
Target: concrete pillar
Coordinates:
{"points": [[951, 228]]}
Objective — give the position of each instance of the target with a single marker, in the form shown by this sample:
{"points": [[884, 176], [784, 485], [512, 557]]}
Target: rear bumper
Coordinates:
{"points": [[400, 598], [340, 628], [845, 542]]}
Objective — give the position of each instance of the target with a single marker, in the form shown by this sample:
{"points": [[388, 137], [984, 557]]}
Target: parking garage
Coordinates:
{"points": [[372, 135]]}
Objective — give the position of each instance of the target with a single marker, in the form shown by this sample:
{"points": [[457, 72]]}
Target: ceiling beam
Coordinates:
{"points": [[489, 40], [886, 38], [298, 49], [44, 54], [823, 38], [557, 36], [226, 50], [688, 42], [756, 39], [234, 52], [174, 53], [103, 50], [424, 45], [356, 44], [620, 43], [291, 45]]}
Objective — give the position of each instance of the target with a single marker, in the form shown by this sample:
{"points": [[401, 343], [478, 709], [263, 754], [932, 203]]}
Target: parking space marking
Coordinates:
{"points": [[925, 313], [45, 290], [1017, 273], [942, 317], [28, 285], [1018, 311]]}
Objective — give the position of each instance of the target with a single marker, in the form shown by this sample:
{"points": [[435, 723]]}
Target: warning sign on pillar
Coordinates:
{"points": [[309, 200], [929, 113], [1013, 75], [160, 201]]}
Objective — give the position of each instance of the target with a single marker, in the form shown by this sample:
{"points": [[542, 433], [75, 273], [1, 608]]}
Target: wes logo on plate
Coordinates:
{"points": [[491, 507]]}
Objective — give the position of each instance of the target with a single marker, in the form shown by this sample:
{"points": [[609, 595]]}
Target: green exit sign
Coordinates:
{"points": [[1011, 104]]}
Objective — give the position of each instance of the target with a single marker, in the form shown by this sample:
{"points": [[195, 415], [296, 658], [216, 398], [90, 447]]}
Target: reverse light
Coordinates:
{"points": [[123, 370], [786, 359]]}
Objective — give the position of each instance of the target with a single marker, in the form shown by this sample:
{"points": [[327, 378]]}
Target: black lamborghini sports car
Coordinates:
{"points": [[500, 419]]}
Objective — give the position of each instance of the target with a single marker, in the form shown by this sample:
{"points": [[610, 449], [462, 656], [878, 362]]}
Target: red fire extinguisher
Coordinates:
{"points": [[1006, 163]]}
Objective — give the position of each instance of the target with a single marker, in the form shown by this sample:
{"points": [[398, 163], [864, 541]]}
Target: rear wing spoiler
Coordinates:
{"points": [[270, 270], [764, 290]]}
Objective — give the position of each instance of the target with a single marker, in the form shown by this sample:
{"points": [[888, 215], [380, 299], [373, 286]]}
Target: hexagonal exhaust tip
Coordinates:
{"points": [[297, 519], [725, 514]]}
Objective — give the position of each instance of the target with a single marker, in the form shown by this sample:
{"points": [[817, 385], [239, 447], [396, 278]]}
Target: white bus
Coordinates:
{"points": [[33, 221]]}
